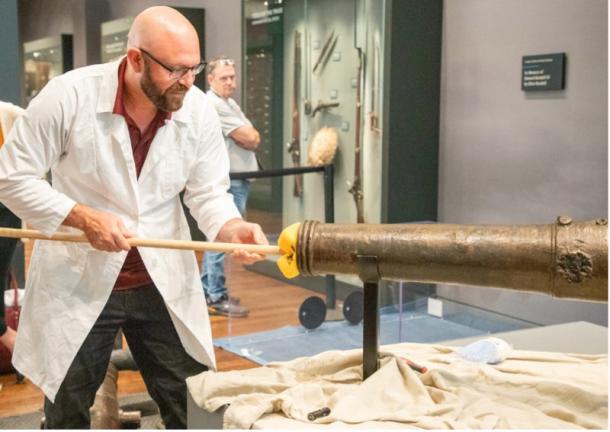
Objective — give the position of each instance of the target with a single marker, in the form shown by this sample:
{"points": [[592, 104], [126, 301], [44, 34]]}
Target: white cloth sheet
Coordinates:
{"points": [[529, 390]]}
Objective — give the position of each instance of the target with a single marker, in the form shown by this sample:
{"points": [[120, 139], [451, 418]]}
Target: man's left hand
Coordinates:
{"points": [[240, 231]]}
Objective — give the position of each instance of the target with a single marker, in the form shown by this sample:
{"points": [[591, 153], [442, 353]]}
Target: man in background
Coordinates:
{"points": [[242, 139]]}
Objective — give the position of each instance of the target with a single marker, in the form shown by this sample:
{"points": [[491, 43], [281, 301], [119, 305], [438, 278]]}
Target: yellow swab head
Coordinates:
{"points": [[288, 246]]}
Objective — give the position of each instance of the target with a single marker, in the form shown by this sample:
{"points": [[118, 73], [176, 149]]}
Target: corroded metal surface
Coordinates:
{"points": [[566, 259]]}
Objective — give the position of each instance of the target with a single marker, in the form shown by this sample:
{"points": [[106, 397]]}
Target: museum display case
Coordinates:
{"points": [[313, 85], [44, 59]]}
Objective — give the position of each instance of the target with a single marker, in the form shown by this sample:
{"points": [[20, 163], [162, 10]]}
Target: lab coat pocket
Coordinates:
{"points": [[60, 267]]}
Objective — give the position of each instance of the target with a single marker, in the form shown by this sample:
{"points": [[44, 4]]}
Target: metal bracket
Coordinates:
{"points": [[368, 272]]}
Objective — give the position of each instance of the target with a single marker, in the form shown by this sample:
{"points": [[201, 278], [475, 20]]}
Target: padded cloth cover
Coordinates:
{"points": [[529, 390]]}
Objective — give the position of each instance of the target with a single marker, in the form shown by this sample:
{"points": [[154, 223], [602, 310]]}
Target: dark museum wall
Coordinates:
{"points": [[10, 71], [507, 156], [42, 18]]}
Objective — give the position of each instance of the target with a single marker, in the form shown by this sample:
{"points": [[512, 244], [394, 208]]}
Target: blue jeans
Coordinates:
{"points": [[212, 268]]}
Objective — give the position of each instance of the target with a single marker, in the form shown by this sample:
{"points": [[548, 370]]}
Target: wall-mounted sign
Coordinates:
{"points": [[543, 72], [266, 16]]}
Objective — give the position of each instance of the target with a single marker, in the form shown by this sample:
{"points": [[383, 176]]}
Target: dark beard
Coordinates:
{"points": [[169, 100]]}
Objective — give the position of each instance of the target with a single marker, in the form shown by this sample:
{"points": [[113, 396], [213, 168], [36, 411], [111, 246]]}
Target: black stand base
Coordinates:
{"points": [[369, 274]]}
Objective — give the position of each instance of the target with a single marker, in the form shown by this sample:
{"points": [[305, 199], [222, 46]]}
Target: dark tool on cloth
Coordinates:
{"points": [[294, 146], [353, 307], [312, 312], [322, 412]]}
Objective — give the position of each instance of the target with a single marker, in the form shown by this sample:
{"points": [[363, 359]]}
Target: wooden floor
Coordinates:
{"points": [[272, 304]]}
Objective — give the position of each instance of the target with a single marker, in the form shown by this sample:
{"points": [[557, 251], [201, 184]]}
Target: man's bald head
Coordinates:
{"points": [[163, 30], [162, 57]]}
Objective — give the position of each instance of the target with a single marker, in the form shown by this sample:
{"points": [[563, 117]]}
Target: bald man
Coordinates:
{"points": [[122, 140]]}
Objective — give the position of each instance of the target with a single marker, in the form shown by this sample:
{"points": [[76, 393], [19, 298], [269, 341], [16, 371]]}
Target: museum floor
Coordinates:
{"points": [[16, 399]]}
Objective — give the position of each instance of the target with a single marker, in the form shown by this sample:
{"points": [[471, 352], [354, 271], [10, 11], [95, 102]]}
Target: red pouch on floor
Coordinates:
{"points": [[11, 317]]}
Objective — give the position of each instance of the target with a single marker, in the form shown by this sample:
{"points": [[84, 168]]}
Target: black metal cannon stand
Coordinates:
{"points": [[369, 274]]}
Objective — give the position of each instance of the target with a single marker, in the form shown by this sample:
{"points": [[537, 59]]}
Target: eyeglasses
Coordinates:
{"points": [[176, 74]]}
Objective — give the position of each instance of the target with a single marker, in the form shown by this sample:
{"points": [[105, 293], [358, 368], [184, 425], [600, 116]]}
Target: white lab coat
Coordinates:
{"points": [[70, 129]]}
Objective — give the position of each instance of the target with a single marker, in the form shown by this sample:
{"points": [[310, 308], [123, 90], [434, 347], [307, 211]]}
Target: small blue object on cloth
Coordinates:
{"points": [[490, 350]]}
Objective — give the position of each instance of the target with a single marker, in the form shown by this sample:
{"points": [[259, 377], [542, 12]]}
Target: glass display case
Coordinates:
{"points": [[43, 60], [313, 88]]}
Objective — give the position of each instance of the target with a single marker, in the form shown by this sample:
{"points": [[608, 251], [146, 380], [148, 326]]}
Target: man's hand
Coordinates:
{"points": [[105, 231], [240, 231]]}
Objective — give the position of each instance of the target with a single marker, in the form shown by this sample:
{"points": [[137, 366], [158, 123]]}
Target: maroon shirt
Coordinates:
{"points": [[134, 274]]}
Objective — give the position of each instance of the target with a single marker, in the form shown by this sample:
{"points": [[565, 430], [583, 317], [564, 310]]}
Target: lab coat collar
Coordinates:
{"points": [[109, 87]]}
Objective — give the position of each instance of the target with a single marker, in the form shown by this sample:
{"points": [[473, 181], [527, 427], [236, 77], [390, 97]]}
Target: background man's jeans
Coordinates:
{"points": [[212, 268]]}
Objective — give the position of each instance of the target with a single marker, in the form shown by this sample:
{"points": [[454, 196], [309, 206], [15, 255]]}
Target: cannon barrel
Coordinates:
{"points": [[565, 259]]}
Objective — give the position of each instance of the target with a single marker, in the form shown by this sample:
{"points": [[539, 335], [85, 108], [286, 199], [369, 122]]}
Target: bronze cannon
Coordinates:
{"points": [[566, 259]]}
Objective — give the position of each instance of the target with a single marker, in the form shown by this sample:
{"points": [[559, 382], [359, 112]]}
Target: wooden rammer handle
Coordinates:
{"points": [[155, 243]]}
